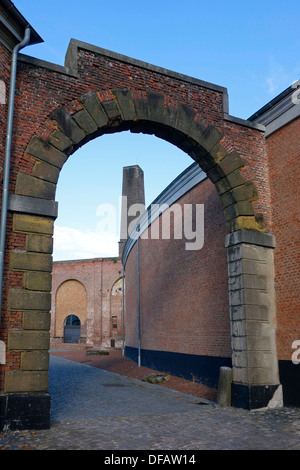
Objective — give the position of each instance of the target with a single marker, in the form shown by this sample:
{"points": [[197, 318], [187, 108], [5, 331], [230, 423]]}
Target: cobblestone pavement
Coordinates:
{"points": [[94, 409]]}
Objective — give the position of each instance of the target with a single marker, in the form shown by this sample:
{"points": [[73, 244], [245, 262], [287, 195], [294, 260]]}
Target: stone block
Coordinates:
{"points": [[254, 282], [210, 138], [254, 328], [20, 300], [35, 320], [84, 120], [32, 224], [240, 359], [2, 352], [235, 282], [246, 192], [260, 359], [27, 340], [251, 237], [245, 222], [200, 155], [240, 375], [67, 125], [46, 172], [196, 131], [141, 108], [44, 151], [38, 281], [216, 174], [27, 185], [254, 252], [244, 208], [39, 244], [239, 328], [93, 106], [24, 261], [169, 117], [60, 141], [187, 145], [248, 297], [231, 163], [17, 381], [261, 376], [230, 181], [111, 109], [35, 360], [235, 253], [217, 153], [239, 343], [125, 103], [259, 343], [32, 205], [249, 312], [156, 103], [184, 118]]}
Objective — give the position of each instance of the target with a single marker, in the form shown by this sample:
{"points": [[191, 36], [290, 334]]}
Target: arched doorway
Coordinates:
{"points": [[116, 301], [71, 329], [71, 312], [97, 93]]}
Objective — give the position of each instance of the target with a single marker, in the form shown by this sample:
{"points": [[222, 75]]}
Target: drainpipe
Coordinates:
{"points": [[138, 301], [6, 171], [123, 301]]}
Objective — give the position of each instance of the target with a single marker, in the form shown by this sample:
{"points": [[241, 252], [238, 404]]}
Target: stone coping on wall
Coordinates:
{"points": [[187, 180], [71, 68]]}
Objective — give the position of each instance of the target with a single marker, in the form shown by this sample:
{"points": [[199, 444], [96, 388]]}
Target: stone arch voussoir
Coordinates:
{"points": [[148, 112]]}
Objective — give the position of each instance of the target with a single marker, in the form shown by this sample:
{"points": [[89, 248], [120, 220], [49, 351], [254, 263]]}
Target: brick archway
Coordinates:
{"points": [[123, 110], [108, 93]]}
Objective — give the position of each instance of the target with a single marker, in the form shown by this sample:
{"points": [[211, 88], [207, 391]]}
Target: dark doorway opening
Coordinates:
{"points": [[71, 329]]}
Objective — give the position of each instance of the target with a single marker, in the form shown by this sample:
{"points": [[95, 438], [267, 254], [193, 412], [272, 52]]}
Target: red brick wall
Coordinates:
{"points": [[40, 91], [283, 148], [183, 294]]}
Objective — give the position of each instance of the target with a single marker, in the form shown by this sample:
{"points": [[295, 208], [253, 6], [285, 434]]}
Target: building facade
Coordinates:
{"points": [[87, 302]]}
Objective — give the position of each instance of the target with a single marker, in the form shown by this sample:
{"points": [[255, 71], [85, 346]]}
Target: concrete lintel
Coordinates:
{"points": [[32, 205], [252, 237]]}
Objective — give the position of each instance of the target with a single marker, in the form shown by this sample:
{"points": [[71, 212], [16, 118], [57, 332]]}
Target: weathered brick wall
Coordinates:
{"points": [[41, 91], [86, 288], [283, 149], [183, 294]]}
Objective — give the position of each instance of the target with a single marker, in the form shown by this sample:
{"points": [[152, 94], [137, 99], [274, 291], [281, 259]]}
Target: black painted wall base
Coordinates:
{"points": [[203, 369], [251, 397], [25, 411], [289, 375]]}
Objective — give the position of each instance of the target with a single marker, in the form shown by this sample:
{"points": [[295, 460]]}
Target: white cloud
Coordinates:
{"points": [[71, 243], [279, 77]]}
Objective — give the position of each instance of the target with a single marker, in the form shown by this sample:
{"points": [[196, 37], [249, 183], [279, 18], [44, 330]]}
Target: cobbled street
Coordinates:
{"points": [[92, 409]]}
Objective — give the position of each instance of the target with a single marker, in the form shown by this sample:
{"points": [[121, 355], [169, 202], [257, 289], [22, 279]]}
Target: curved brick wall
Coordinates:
{"points": [[184, 300]]}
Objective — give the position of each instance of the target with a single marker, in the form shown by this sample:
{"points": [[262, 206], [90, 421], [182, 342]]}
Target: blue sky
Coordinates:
{"points": [[251, 48]]}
